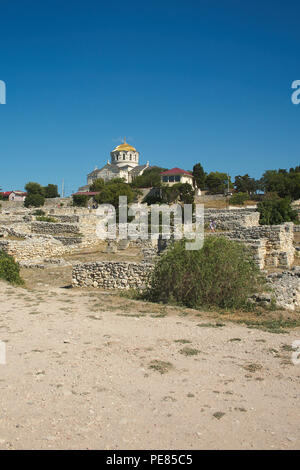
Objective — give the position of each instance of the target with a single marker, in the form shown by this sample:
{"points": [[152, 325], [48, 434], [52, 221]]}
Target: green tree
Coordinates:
{"points": [[186, 192], [111, 192], [238, 199], [275, 211], [217, 182], [51, 191], [34, 200], [97, 185], [183, 192], [150, 178], [245, 184], [199, 175], [34, 188], [282, 182], [80, 200]]}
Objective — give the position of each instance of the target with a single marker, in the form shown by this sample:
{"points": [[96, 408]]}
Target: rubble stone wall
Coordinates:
{"points": [[53, 228], [232, 219], [111, 275]]}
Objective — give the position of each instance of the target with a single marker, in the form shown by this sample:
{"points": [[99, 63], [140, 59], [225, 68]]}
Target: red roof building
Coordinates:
{"points": [[177, 175], [176, 171], [14, 195]]}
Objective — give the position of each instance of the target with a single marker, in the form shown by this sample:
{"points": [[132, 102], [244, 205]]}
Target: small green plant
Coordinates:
{"points": [[10, 269], [43, 218], [160, 366], [218, 414], [287, 347], [187, 351], [39, 212], [211, 325], [252, 367]]}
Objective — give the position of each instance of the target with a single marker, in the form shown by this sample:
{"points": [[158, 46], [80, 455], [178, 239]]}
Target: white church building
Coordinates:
{"points": [[124, 163]]}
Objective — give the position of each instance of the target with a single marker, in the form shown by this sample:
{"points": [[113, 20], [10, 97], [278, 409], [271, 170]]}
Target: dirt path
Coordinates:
{"points": [[81, 373]]}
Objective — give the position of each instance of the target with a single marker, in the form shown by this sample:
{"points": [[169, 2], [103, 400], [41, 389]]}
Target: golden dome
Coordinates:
{"points": [[124, 146]]}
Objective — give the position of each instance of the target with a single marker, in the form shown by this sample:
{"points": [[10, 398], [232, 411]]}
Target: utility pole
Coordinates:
{"points": [[62, 188], [227, 197]]}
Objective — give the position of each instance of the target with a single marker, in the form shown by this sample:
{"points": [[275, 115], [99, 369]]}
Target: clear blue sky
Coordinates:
{"points": [[184, 81]]}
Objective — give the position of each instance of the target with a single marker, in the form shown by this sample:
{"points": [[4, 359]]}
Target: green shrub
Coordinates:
{"points": [[112, 190], [34, 200], [80, 200], [39, 212], [275, 211], [238, 199], [9, 269], [221, 274], [43, 218]]}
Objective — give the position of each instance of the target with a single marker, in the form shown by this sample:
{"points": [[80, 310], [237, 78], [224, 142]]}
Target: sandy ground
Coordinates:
{"points": [[81, 374]]}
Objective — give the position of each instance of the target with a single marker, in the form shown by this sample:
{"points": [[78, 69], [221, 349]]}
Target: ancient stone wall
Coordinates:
{"points": [[286, 288], [276, 249], [53, 228], [232, 219], [111, 275], [33, 248]]}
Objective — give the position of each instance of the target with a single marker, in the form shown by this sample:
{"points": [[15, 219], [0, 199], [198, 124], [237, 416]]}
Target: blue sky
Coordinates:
{"points": [[184, 81]]}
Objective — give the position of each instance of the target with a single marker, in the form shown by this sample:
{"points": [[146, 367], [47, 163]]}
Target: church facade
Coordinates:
{"points": [[124, 163]]}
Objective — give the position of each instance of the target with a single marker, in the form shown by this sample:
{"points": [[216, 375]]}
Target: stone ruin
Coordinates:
{"points": [[36, 243]]}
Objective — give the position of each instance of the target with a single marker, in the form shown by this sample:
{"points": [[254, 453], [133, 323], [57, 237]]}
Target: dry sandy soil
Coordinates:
{"points": [[92, 370]]}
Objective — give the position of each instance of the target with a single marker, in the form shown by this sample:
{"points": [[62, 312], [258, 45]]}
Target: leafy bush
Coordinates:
{"points": [[150, 178], [238, 199], [221, 274], [51, 191], [182, 192], [80, 200], [217, 183], [9, 269], [285, 183], [111, 192], [275, 211], [39, 212], [34, 188], [97, 185], [34, 200]]}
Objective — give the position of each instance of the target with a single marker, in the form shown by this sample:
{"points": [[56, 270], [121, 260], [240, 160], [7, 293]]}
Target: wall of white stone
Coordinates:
{"points": [[111, 275]]}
